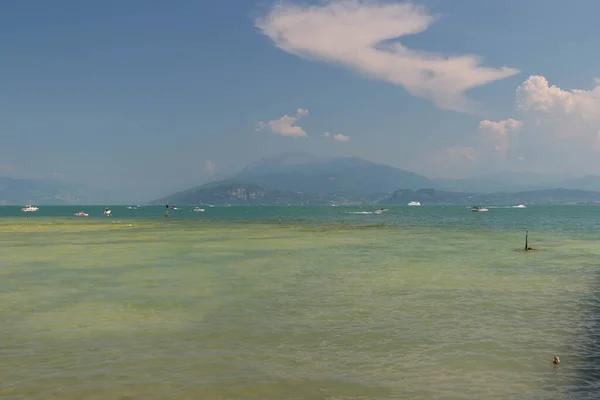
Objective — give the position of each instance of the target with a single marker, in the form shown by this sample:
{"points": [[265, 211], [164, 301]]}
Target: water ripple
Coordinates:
{"points": [[259, 311]]}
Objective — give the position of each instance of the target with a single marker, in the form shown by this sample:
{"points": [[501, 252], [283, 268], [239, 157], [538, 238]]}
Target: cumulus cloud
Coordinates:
{"points": [[338, 136], [286, 125], [356, 34], [499, 135], [341, 138], [557, 131]]}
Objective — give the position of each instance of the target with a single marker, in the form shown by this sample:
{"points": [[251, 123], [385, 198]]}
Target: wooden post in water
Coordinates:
{"points": [[526, 235]]}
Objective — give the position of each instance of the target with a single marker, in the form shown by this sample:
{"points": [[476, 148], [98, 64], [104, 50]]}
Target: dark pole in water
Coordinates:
{"points": [[526, 234]]}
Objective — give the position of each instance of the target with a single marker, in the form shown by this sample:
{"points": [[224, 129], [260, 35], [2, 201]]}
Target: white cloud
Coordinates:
{"points": [[499, 136], [567, 114], [209, 167], [341, 138], [351, 33], [558, 131], [338, 136], [285, 126]]}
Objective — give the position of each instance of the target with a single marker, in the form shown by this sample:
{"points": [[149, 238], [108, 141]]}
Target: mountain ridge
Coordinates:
{"points": [[299, 178], [15, 191], [302, 178]]}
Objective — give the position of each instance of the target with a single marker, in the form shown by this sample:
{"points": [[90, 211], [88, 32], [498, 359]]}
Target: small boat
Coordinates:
{"points": [[198, 209], [479, 209], [414, 203], [107, 212], [520, 206], [381, 210], [29, 208], [80, 214]]}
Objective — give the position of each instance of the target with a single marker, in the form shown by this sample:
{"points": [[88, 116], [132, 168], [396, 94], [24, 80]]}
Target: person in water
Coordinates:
{"points": [[556, 360]]}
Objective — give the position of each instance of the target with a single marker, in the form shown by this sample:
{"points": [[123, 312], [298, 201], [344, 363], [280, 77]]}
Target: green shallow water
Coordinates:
{"points": [[299, 303]]}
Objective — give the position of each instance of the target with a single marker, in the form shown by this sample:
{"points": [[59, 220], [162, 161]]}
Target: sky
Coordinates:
{"points": [[146, 97]]}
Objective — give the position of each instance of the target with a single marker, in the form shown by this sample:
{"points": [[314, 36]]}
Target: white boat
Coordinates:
{"points": [[29, 208], [198, 209], [80, 214], [520, 206], [479, 209], [380, 211], [414, 203], [107, 212]]}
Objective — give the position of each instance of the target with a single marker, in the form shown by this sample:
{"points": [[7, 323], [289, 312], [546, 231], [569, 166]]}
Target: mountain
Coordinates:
{"points": [[589, 182], [298, 178], [233, 193], [45, 191], [508, 181], [477, 185], [312, 177], [306, 173], [548, 196]]}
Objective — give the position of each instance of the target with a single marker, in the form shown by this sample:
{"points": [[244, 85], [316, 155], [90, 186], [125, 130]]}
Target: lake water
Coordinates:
{"points": [[300, 303]]}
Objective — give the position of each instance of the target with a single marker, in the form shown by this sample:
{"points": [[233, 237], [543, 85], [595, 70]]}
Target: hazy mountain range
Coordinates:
{"points": [[298, 178], [46, 191]]}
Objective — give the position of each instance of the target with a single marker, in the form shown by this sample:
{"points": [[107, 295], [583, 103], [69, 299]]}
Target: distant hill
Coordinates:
{"points": [[44, 191], [306, 173], [311, 177], [477, 185], [589, 182], [548, 196], [231, 193], [299, 178], [507, 181]]}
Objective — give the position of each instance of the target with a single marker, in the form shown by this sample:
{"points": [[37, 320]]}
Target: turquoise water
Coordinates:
{"points": [[299, 303]]}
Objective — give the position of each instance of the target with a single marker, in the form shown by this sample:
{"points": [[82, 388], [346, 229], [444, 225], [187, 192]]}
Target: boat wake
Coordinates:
{"points": [[380, 211]]}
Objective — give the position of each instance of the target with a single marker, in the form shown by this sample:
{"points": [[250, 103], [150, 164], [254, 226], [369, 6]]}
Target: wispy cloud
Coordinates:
{"points": [[286, 125], [351, 33]]}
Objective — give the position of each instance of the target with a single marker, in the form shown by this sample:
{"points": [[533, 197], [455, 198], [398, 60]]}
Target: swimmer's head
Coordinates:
{"points": [[556, 360]]}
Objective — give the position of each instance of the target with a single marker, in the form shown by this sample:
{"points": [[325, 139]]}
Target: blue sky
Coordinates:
{"points": [[146, 97]]}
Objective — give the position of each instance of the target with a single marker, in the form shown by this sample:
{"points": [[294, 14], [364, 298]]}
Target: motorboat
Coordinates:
{"points": [[381, 210], [80, 214], [479, 209], [414, 203], [520, 206], [29, 208], [107, 212], [198, 209]]}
